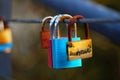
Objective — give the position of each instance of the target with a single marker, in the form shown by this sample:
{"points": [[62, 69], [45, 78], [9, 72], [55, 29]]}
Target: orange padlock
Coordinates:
{"points": [[5, 32], [44, 33], [5, 37]]}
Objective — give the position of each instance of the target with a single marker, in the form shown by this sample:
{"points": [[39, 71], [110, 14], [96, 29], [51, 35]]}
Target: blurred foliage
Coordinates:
{"points": [[115, 4]]}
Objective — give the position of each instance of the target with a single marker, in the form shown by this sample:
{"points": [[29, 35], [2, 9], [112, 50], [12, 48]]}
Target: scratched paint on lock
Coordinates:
{"points": [[79, 49]]}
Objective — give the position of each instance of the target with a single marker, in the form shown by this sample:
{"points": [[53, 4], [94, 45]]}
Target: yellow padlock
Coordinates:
{"points": [[82, 48], [5, 35]]}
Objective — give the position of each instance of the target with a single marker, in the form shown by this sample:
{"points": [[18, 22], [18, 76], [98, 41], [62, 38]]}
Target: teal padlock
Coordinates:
{"points": [[50, 61], [58, 48]]}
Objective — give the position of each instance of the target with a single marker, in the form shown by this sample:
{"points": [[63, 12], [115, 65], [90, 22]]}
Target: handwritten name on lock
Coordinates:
{"points": [[82, 48]]}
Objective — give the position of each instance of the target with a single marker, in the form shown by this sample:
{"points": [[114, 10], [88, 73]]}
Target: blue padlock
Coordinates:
{"points": [[58, 48], [50, 62]]}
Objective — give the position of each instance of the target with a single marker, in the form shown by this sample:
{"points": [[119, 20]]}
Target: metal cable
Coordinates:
{"points": [[89, 20]]}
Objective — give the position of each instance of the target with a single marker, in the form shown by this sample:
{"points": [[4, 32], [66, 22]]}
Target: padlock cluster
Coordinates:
{"points": [[65, 52]]}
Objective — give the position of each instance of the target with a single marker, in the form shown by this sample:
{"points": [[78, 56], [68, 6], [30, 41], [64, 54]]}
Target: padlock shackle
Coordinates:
{"points": [[70, 24], [2, 18], [44, 21], [60, 18], [52, 27]]}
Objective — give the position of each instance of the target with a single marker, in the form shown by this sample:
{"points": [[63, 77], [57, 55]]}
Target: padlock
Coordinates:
{"points": [[51, 28], [5, 37], [52, 21], [58, 47], [82, 48], [45, 34]]}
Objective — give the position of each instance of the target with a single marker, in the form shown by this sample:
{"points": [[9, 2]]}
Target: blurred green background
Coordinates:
{"points": [[29, 62]]}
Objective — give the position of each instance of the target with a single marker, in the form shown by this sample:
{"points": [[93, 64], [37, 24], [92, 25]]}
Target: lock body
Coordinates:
{"points": [[79, 49], [5, 36], [44, 37], [59, 54], [5, 39], [50, 54]]}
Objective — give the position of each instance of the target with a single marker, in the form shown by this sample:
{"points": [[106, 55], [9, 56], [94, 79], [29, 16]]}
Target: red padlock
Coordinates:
{"points": [[44, 33], [52, 21]]}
